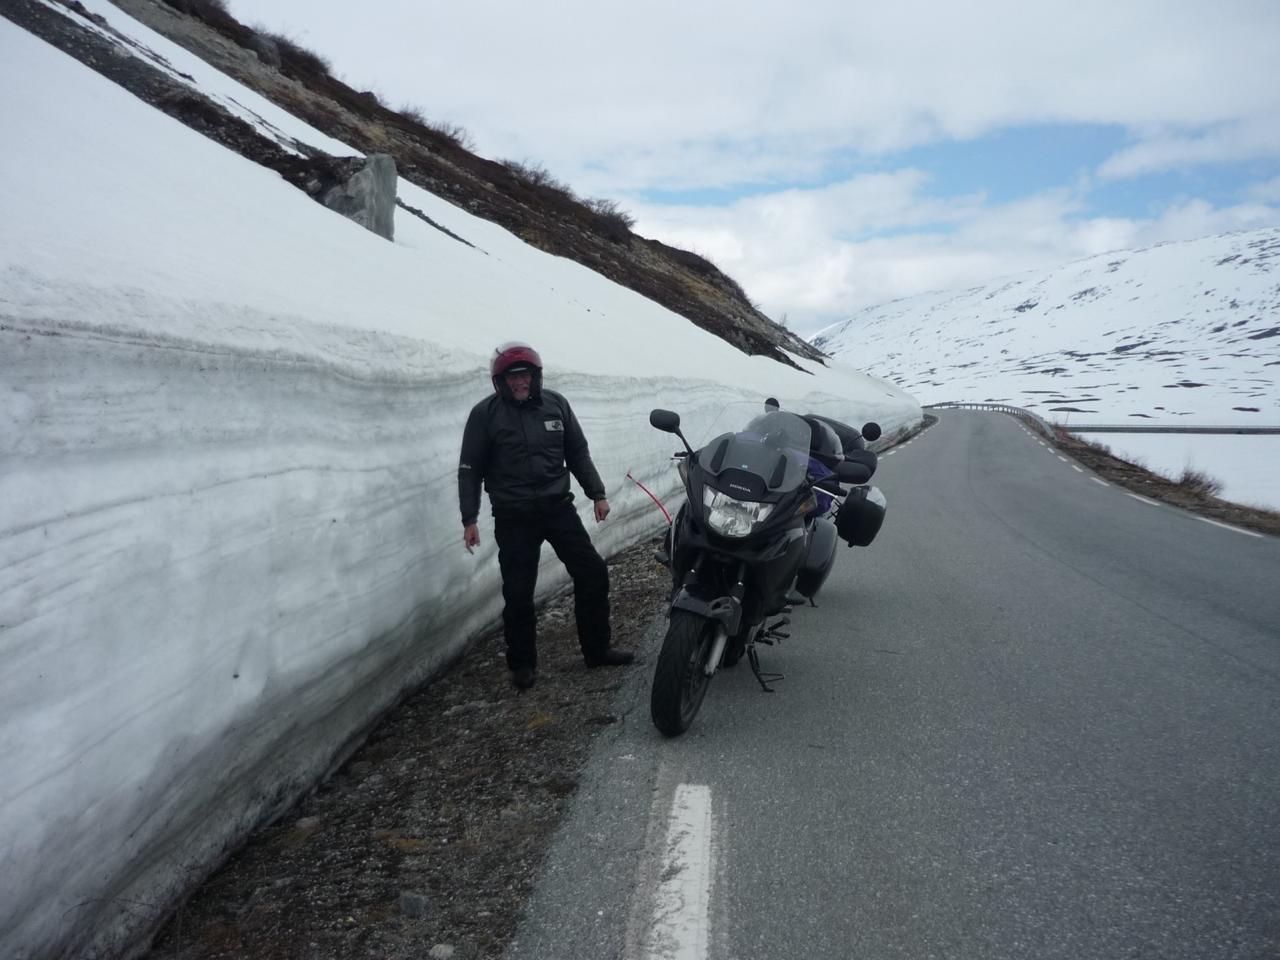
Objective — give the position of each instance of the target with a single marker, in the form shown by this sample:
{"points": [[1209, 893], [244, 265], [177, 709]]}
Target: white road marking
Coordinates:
{"points": [[891, 453], [681, 927], [1063, 459], [1076, 469], [1227, 526], [1143, 499], [1103, 482]]}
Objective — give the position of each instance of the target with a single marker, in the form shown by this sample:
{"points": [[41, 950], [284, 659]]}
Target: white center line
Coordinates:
{"points": [[1143, 499], [1076, 469], [1103, 482], [1063, 459], [682, 908], [1226, 526]]}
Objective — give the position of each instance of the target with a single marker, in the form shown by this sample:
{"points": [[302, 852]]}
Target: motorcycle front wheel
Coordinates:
{"points": [[681, 680]]}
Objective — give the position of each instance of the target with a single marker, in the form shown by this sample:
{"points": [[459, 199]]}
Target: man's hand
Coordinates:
{"points": [[602, 510], [470, 537]]}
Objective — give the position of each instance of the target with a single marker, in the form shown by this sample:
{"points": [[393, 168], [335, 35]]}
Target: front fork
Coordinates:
{"points": [[726, 611], [717, 650]]}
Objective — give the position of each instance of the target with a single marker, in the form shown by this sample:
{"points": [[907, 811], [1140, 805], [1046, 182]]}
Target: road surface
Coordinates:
{"points": [[1039, 717]]}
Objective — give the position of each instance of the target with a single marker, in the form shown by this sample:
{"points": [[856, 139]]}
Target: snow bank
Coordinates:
{"points": [[229, 534]]}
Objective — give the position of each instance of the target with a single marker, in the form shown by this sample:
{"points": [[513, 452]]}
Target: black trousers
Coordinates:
{"points": [[520, 534]]}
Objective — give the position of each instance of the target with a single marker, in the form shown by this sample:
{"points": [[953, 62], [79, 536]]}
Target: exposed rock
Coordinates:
{"points": [[369, 196]]}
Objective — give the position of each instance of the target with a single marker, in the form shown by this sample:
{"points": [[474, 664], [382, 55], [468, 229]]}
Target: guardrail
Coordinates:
{"points": [[1032, 419], [1047, 428]]}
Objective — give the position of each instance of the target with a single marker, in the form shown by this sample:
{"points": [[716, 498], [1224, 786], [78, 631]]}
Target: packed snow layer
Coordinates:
{"points": [[229, 532], [1181, 333]]}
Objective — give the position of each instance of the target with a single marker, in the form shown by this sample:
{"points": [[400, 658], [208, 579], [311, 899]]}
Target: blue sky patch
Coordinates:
{"points": [[1014, 164]]}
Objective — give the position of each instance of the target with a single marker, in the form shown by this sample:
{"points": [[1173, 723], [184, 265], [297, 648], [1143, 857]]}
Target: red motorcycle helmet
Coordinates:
{"points": [[515, 355]]}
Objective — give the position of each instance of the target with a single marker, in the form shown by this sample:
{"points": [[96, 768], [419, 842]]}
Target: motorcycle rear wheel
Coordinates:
{"points": [[680, 680]]}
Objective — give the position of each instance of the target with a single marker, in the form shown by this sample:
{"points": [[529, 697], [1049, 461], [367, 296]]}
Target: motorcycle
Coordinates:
{"points": [[743, 539]]}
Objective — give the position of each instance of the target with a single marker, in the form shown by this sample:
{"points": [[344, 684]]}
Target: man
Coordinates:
{"points": [[522, 442]]}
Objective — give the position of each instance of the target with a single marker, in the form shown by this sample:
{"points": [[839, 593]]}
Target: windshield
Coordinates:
{"points": [[770, 445]]}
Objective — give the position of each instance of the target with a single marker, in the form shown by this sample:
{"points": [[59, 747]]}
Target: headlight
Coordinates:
{"points": [[733, 518]]}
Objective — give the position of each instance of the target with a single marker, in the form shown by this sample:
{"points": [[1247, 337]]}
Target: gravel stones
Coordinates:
{"points": [[414, 905], [434, 831]]}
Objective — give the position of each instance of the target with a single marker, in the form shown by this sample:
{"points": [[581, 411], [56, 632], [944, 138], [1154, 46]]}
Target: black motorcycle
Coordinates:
{"points": [[745, 537]]}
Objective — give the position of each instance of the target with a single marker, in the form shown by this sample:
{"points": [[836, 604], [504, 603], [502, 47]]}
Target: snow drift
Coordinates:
{"points": [[229, 535]]}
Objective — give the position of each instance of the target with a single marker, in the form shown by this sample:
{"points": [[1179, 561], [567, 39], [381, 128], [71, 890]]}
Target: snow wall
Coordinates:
{"points": [[229, 533]]}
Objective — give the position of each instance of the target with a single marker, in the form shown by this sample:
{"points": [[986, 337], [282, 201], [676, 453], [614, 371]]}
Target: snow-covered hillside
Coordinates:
{"points": [[229, 424], [1184, 333]]}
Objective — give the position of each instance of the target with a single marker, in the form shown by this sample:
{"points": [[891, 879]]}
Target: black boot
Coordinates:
{"points": [[523, 677], [610, 657]]}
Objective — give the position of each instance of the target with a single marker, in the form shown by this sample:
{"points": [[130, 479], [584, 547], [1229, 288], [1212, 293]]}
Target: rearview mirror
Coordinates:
{"points": [[871, 431], [665, 420]]}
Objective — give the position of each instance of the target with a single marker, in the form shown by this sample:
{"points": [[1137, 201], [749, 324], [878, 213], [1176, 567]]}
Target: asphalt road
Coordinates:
{"points": [[1037, 718]]}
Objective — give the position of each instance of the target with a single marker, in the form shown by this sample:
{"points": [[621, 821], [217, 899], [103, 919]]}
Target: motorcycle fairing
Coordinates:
{"points": [[726, 609], [774, 460]]}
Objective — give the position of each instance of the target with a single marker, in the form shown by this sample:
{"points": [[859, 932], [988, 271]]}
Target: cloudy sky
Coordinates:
{"points": [[832, 154]]}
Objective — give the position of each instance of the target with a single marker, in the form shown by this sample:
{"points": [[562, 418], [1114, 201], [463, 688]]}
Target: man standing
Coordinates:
{"points": [[522, 442]]}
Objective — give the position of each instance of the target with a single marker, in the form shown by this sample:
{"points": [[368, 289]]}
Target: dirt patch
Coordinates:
{"points": [[433, 832], [1185, 495]]}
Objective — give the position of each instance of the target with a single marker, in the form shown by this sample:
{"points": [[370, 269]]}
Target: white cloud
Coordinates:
{"points": [[813, 255], [1230, 142], [1199, 218], [619, 97]]}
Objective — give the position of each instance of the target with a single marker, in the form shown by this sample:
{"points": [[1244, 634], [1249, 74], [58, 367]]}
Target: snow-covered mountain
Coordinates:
{"points": [[1185, 333], [229, 430]]}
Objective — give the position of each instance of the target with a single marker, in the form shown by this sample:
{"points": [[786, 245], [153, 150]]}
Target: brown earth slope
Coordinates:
{"points": [[525, 200]]}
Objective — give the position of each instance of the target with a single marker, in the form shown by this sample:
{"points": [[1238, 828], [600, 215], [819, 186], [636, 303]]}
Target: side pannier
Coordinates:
{"points": [[860, 516], [819, 560]]}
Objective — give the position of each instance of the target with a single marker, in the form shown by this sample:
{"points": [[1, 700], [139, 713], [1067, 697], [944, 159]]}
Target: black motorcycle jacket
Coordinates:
{"points": [[523, 452]]}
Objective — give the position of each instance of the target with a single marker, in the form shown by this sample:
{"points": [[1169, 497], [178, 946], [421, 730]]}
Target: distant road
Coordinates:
{"points": [[1037, 718]]}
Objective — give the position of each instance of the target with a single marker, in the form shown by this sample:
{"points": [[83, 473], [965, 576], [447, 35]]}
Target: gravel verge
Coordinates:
{"points": [[427, 842], [1139, 480]]}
